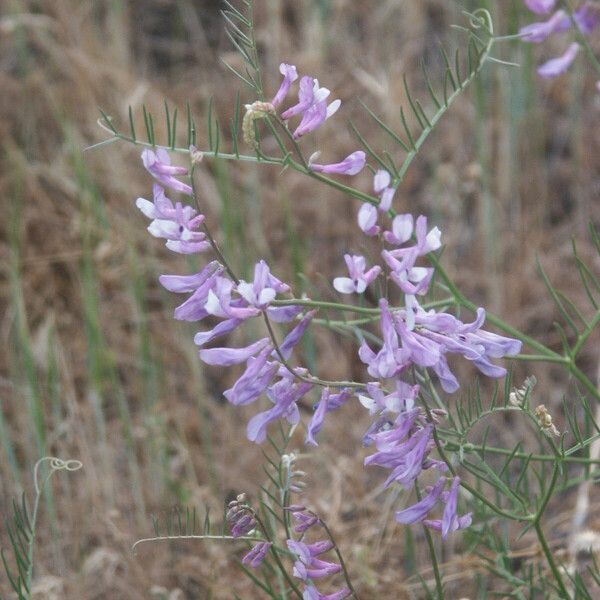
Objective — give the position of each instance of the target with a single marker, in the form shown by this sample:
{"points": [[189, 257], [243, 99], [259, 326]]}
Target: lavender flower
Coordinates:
{"points": [[225, 357], [304, 519], [418, 511], [312, 593], [309, 93], [284, 395], [263, 289], [368, 213], [328, 403], [429, 339], [541, 7], [159, 166], [557, 66], [367, 219], [377, 402], [315, 116], [256, 555], [538, 32], [307, 565], [403, 449], [240, 517], [359, 278], [176, 223], [351, 165], [289, 76]]}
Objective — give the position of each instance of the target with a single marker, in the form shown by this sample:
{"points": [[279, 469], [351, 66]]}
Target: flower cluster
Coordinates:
{"points": [[214, 293], [308, 566], [412, 337], [312, 109], [585, 18]]}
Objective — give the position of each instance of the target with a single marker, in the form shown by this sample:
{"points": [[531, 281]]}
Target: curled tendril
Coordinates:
{"points": [[55, 464], [481, 17]]}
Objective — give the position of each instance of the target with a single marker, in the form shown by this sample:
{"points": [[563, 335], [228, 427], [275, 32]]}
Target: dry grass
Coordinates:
{"points": [[87, 333]]}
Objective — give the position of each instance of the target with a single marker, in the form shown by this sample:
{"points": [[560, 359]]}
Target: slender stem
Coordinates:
{"points": [[585, 334], [550, 558], [328, 305], [474, 492], [453, 447], [306, 378], [340, 558], [273, 551], [434, 562]]}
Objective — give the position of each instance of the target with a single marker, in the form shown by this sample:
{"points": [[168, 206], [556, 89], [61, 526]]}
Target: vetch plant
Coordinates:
{"points": [[420, 433]]}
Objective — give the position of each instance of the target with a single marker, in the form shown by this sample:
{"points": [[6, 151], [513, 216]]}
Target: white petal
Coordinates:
{"points": [[213, 305], [333, 108], [367, 216], [368, 403], [164, 229], [433, 240], [417, 274], [402, 227], [146, 207], [344, 285], [246, 291], [361, 286], [267, 295], [381, 180]]}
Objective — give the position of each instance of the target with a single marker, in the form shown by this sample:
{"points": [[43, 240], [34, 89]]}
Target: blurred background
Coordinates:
{"points": [[92, 365]]}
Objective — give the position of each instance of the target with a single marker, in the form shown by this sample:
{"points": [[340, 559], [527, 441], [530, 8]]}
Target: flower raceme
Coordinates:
{"points": [[411, 336]]}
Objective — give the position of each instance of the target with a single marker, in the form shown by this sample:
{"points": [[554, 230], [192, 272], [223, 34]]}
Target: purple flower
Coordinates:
{"points": [[450, 520], [181, 284], [263, 289], [307, 565], [359, 279], [376, 402], [256, 555], [557, 66], [367, 219], [351, 165], [541, 7], [159, 165], [255, 379], [328, 403], [403, 448], [284, 395], [309, 94], [315, 116], [304, 520], [381, 186], [295, 335], [289, 76], [176, 223], [239, 517], [226, 357], [418, 511], [312, 593], [391, 359], [586, 18], [538, 32]]}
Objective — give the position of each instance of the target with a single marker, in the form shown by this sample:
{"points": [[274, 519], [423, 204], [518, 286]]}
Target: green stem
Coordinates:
{"points": [[434, 563], [328, 305], [340, 558], [453, 447], [273, 551]]}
